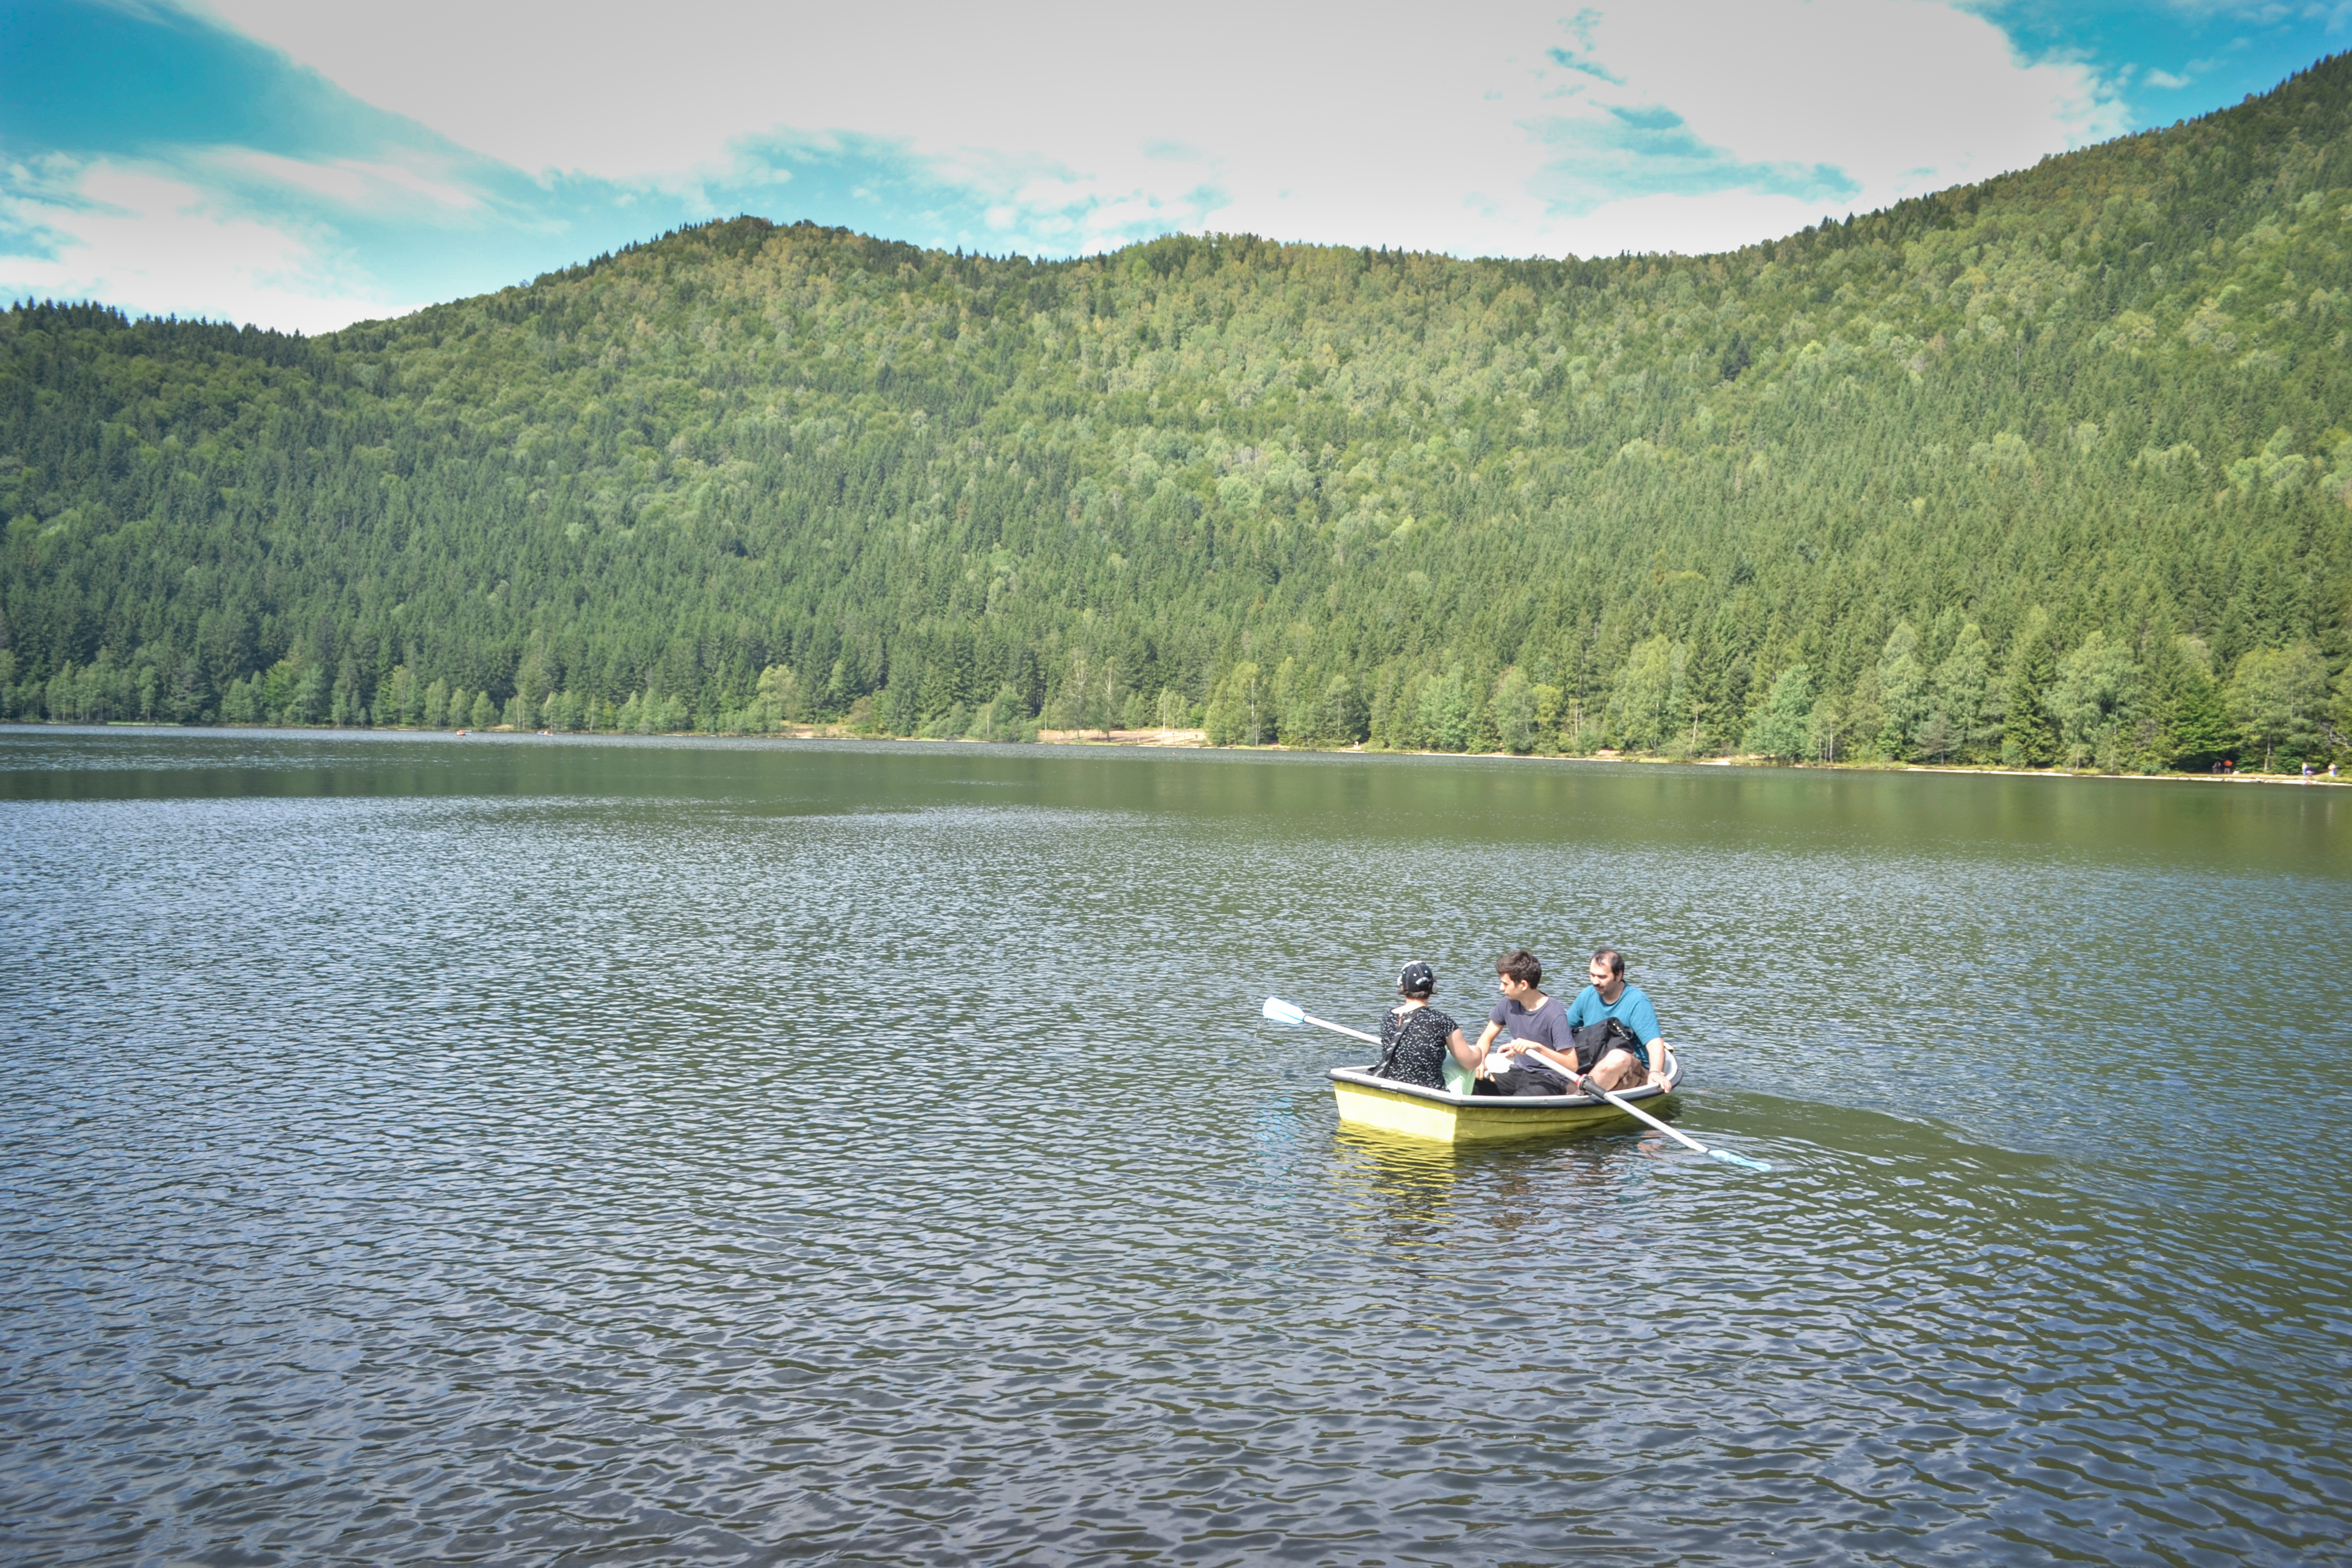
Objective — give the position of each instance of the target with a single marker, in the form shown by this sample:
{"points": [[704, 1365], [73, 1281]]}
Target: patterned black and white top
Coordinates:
{"points": [[1413, 1046]]}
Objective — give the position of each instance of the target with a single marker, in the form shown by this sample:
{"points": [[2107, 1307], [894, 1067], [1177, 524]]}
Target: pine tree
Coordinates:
{"points": [[2029, 739], [1904, 695], [1961, 693]]}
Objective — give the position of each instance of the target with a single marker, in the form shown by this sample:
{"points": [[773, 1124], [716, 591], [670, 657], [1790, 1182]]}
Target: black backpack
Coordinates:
{"points": [[1596, 1040]]}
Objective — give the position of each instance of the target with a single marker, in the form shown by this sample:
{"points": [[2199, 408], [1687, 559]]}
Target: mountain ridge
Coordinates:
{"points": [[2052, 467]]}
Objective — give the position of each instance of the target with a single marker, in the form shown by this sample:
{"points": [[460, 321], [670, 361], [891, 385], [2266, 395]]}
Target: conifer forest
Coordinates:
{"points": [[2053, 470]]}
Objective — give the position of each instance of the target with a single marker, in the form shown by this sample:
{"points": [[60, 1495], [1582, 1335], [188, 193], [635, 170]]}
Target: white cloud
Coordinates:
{"points": [[375, 187], [1080, 126], [151, 242], [1904, 96], [2165, 80]]}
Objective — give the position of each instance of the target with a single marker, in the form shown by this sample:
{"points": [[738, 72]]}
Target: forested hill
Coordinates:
{"points": [[2055, 467]]}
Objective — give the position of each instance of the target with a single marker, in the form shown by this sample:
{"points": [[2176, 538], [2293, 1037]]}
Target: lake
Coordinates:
{"points": [[512, 1149]]}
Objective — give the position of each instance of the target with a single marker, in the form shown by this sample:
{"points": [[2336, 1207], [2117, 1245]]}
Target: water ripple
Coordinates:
{"points": [[864, 1156]]}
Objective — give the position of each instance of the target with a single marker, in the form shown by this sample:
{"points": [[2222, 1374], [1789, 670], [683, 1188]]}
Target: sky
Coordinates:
{"points": [[305, 164]]}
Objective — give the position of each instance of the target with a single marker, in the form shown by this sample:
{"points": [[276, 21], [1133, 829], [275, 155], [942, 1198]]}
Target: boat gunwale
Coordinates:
{"points": [[1364, 1078]]}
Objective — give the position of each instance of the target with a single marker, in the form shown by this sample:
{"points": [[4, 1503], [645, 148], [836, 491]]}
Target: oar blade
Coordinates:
{"points": [[1282, 1012], [1729, 1158]]}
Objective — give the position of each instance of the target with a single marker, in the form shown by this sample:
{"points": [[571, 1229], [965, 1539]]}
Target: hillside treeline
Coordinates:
{"points": [[2054, 468]]}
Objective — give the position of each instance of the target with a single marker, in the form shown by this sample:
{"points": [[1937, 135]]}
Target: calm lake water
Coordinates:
{"points": [[516, 1150]]}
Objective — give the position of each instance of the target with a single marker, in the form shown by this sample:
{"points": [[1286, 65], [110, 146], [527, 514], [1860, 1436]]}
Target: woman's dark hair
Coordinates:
{"points": [[1520, 965], [1613, 958]]}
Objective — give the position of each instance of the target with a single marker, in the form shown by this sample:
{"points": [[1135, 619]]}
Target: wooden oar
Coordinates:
{"points": [[1282, 1012]]}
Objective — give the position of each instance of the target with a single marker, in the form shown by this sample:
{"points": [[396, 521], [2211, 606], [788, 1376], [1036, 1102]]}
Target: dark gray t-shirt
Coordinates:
{"points": [[1545, 1027]]}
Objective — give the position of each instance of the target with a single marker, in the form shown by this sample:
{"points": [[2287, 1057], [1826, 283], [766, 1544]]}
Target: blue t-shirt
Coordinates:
{"points": [[1631, 1009]]}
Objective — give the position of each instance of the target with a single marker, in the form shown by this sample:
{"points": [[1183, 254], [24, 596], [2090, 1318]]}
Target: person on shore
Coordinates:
{"points": [[1534, 1027], [1624, 1056], [1416, 1039]]}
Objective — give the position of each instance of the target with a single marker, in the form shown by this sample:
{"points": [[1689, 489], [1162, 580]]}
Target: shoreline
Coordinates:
{"points": [[1197, 740], [1175, 738]]}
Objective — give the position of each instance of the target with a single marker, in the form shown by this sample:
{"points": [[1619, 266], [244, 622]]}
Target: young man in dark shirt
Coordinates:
{"points": [[1537, 1027]]}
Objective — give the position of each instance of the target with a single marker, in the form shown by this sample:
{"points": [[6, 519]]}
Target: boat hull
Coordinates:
{"points": [[1438, 1116]]}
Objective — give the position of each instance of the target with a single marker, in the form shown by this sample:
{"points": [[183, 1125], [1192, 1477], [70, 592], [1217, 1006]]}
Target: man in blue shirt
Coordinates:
{"points": [[1609, 997]]}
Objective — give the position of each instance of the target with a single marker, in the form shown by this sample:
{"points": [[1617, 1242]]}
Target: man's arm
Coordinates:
{"points": [[1655, 1040]]}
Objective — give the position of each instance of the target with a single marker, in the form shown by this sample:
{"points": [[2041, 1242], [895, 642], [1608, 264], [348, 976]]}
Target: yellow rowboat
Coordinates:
{"points": [[1444, 1117]]}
